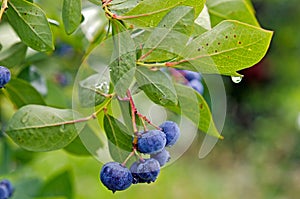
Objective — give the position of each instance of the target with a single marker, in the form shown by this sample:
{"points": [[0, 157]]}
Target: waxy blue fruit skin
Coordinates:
{"points": [[197, 85], [4, 76], [4, 193], [115, 176], [171, 131], [162, 157], [151, 142], [148, 170], [136, 177], [190, 75], [8, 186]]}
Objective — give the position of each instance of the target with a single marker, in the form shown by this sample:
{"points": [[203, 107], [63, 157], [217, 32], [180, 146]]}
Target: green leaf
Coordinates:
{"points": [[229, 47], [148, 13], [31, 25], [171, 33], [157, 86], [71, 15], [92, 90], [117, 133], [60, 185], [42, 128], [78, 146], [97, 2], [122, 66], [239, 10], [22, 93], [192, 105], [122, 6], [8, 56]]}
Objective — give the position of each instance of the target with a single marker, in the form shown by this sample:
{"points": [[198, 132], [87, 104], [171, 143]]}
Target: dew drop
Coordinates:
{"points": [[25, 118], [62, 128], [236, 79]]}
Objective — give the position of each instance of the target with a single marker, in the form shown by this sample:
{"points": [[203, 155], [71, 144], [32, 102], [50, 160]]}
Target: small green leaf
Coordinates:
{"points": [[229, 47], [122, 6], [71, 15], [157, 86], [21, 93], [92, 90], [31, 25], [239, 10], [148, 13], [60, 185], [42, 128], [171, 33], [8, 56], [193, 106], [97, 2], [117, 133], [123, 62]]}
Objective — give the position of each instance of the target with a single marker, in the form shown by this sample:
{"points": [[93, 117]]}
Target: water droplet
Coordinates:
{"points": [[236, 79], [103, 87], [25, 118], [62, 128]]}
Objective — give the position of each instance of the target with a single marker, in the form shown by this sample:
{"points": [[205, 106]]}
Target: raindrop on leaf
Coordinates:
{"points": [[236, 79]]}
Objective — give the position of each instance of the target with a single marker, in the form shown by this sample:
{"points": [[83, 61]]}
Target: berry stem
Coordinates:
{"points": [[4, 6], [133, 112]]}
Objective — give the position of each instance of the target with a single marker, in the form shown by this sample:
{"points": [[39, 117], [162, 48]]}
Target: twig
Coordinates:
{"points": [[4, 6]]}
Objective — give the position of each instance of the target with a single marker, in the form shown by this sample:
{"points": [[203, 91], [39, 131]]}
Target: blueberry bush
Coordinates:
{"points": [[105, 54]]}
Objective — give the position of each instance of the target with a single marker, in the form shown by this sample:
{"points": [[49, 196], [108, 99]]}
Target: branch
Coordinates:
{"points": [[4, 7]]}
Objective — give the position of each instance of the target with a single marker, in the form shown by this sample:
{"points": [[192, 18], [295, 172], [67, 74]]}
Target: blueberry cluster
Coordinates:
{"points": [[193, 80], [6, 189], [116, 176], [4, 76]]}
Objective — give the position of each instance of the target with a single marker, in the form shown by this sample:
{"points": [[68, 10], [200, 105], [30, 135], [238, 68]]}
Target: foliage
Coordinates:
{"points": [[138, 43]]}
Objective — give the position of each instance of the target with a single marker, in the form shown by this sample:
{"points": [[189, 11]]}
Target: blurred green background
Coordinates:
{"points": [[259, 157]]}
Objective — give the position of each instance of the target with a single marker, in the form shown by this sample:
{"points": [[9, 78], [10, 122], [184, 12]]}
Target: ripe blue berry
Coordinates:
{"points": [[148, 170], [172, 132], [4, 193], [151, 142], [190, 75], [4, 76], [8, 185], [162, 157], [136, 177], [197, 85], [115, 176]]}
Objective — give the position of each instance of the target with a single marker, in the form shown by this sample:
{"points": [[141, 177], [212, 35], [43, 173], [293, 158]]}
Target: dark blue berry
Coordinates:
{"points": [[8, 186], [171, 131], [148, 170], [162, 157], [197, 85], [136, 177], [190, 75], [4, 76], [4, 193], [151, 142], [115, 176]]}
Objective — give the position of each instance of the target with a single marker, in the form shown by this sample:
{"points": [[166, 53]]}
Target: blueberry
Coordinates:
{"points": [[136, 177], [197, 85], [191, 75], [4, 193], [4, 76], [172, 132], [8, 186], [162, 157], [148, 170], [151, 142], [115, 176]]}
